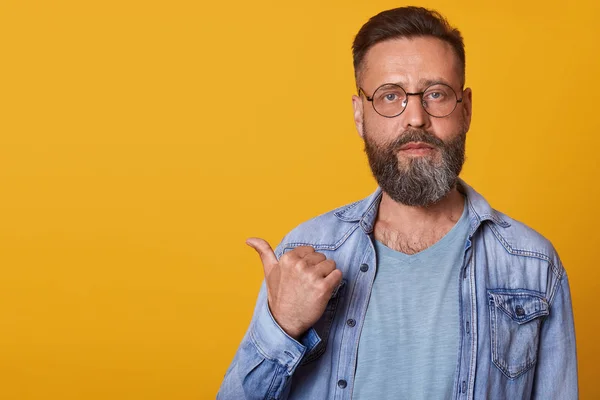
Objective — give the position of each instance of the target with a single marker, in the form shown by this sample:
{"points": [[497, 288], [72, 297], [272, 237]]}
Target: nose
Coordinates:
{"points": [[414, 114]]}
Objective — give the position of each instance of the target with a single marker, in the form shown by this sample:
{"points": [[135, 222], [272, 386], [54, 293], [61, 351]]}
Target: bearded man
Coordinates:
{"points": [[421, 290]]}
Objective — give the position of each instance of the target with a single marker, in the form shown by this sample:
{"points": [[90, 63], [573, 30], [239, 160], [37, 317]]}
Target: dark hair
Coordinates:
{"points": [[405, 22]]}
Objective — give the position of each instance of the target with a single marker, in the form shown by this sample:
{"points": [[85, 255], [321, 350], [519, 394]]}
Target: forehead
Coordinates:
{"points": [[410, 62]]}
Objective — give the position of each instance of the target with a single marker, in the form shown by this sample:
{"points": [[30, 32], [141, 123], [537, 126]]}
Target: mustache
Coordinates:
{"points": [[416, 135]]}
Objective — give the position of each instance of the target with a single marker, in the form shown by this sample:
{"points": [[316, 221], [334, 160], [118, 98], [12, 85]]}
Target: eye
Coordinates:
{"points": [[435, 95], [439, 93], [389, 96]]}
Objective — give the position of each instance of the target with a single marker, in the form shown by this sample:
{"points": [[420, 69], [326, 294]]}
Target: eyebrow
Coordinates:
{"points": [[423, 83]]}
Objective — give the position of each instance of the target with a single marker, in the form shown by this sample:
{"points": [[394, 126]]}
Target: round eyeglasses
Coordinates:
{"points": [[390, 100]]}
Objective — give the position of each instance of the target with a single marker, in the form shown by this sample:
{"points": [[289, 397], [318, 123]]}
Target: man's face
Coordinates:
{"points": [[416, 158]]}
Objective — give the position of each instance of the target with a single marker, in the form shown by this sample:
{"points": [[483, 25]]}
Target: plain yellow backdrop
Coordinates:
{"points": [[143, 141]]}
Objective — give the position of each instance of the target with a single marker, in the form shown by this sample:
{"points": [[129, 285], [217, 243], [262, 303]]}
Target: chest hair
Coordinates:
{"points": [[409, 243]]}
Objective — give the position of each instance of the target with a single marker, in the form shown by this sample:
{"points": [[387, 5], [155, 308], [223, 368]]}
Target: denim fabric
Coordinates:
{"points": [[517, 339]]}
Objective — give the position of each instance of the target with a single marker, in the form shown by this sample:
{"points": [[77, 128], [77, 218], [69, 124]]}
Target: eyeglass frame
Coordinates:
{"points": [[420, 94]]}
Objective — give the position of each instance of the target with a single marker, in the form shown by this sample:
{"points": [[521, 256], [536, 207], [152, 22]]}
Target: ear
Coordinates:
{"points": [[357, 105], [467, 106]]}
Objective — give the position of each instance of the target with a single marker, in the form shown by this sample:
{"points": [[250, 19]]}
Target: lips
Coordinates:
{"points": [[416, 146]]}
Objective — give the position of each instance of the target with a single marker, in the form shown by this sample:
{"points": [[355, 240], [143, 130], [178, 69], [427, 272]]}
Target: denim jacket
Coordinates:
{"points": [[517, 339]]}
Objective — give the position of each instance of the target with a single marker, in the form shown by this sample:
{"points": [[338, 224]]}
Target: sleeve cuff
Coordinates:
{"points": [[277, 345]]}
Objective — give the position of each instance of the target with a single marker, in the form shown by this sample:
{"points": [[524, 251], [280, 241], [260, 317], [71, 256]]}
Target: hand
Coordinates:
{"points": [[299, 285]]}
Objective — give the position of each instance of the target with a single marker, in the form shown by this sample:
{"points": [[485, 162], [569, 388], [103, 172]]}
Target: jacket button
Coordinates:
{"points": [[342, 383], [364, 267], [520, 311], [351, 322]]}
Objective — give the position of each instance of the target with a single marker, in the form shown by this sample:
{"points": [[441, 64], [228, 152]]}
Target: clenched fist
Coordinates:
{"points": [[299, 285]]}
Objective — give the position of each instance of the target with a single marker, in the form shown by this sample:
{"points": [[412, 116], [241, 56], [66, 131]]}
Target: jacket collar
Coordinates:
{"points": [[365, 211]]}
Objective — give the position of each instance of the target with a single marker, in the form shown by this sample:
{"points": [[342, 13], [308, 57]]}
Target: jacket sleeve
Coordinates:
{"points": [[266, 359], [556, 371]]}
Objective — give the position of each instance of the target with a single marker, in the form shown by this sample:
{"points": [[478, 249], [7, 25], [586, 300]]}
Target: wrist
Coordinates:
{"points": [[295, 332]]}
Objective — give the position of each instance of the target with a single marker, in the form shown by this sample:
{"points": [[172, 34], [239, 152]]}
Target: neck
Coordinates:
{"points": [[416, 218]]}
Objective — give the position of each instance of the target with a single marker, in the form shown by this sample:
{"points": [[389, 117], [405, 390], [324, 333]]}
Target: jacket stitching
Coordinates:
{"points": [[317, 246], [270, 392], [526, 253]]}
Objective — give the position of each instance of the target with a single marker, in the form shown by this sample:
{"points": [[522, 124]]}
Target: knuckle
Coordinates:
{"points": [[320, 257], [301, 264], [285, 258], [335, 276], [322, 286], [326, 267], [315, 259]]}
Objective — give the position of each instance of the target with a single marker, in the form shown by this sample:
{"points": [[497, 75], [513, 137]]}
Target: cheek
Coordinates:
{"points": [[447, 128], [381, 130]]}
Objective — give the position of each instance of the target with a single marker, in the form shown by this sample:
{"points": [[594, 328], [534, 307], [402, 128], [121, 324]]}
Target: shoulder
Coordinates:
{"points": [[517, 236], [519, 239], [514, 236], [330, 230], [324, 232]]}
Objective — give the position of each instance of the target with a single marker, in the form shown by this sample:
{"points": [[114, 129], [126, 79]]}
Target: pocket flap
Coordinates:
{"points": [[520, 306]]}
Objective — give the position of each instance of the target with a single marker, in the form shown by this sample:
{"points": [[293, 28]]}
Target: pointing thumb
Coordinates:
{"points": [[265, 252]]}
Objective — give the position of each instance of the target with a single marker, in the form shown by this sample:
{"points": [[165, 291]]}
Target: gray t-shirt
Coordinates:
{"points": [[408, 347]]}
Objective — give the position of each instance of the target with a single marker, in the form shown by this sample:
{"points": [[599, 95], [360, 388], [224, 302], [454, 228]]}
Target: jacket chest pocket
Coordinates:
{"points": [[323, 325], [515, 319]]}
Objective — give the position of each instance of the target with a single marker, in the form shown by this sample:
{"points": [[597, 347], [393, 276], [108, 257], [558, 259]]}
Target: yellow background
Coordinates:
{"points": [[142, 142]]}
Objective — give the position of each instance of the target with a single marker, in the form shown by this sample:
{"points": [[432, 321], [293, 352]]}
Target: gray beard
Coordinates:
{"points": [[422, 181]]}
